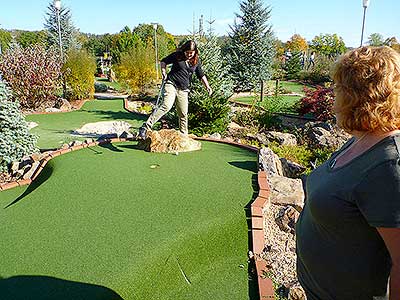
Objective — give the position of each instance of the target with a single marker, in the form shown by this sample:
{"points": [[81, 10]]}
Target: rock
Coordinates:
{"points": [[325, 135], [63, 104], [234, 126], [269, 162], [286, 191], [32, 125], [285, 139], [30, 171], [52, 109], [259, 137], [168, 141], [287, 218], [215, 136], [100, 129], [291, 169]]}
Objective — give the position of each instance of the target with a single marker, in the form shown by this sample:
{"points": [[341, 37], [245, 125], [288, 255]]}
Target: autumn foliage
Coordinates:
{"points": [[32, 73], [318, 103]]}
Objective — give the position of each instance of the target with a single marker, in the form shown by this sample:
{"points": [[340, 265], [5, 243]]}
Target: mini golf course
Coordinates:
{"points": [[114, 222]]}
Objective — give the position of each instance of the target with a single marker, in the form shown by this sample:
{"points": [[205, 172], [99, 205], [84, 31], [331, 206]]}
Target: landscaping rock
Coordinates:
{"points": [[215, 136], [286, 191], [63, 105], [291, 169], [168, 141], [32, 125], [269, 162], [287, 218], [99, 129], [285, 139], [325, 135]]}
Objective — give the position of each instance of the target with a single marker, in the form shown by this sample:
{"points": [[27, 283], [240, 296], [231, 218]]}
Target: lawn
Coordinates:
{"points": [[115, 85], [116, 220]]}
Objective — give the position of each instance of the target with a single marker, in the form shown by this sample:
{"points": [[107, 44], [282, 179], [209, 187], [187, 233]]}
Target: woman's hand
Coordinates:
{"points": [[209, 90]]}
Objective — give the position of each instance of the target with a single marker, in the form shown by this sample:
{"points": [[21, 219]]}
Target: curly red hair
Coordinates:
{"points": [[367, 89]]}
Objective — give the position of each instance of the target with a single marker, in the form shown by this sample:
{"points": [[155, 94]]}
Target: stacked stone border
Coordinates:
{"points": [[258, 206]]}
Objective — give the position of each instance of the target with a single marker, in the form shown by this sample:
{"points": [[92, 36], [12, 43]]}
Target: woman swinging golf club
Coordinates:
{"points": [[185, 61]]}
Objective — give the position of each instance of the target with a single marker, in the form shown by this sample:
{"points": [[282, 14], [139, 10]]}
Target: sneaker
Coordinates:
{"points": [[142, 133]]}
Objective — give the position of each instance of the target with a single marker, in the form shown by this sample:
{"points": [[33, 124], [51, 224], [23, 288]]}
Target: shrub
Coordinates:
{"points": [[100, 87], [79, 72], [319, 103], [33, 74], [210, 114], [302, 154], [15, 139], [136, 68]]}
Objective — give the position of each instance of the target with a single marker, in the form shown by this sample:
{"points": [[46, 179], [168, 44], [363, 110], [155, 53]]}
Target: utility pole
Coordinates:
{"points": [[365, 5], [155, 25]]}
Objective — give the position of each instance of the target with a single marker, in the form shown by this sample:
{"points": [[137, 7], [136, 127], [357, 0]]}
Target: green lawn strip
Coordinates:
{"points": [[55, 129], [103, 216], [115, 85], [294, 87], [289, 101]]}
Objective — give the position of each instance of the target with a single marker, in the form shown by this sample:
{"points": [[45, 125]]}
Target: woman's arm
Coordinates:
{"points": [[207, 86], [391, 237]]}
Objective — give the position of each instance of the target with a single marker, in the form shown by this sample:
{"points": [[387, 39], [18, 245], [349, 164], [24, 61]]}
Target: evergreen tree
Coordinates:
{"points": [[15, 139], [69, 34], [251, 47], [210, 114], [293, 66]]}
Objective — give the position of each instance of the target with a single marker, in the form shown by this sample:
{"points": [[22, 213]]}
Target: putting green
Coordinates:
{"points": [[55, 129], [144, 225]]}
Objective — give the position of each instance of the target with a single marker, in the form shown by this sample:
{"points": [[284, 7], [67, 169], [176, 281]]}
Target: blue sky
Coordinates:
{"points": [[307, 18]]}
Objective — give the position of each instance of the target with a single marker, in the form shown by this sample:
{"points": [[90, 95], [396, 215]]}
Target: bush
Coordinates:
{"points": [[319, 103], [136, 68], [15, 139], [100, 87], [79, 72], [303, 155], [33, 74]]}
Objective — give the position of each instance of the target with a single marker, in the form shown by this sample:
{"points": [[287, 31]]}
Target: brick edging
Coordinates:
{"points": [[265, 286]]}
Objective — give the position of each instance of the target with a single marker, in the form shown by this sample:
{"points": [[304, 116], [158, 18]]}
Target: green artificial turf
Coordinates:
{"points": [[115, 220], [55, 129]]}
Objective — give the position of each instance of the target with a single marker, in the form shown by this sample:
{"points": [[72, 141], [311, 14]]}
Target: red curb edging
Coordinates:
{"points": [[265, 286]]}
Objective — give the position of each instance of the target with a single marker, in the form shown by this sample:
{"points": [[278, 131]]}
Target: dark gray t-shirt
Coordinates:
{"points": [[340, 254]]}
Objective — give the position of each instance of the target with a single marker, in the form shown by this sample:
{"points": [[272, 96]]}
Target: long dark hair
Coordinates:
{"points": [[190, 46]]}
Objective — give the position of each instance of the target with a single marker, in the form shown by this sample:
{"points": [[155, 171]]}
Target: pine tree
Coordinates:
{"points": [[69, 34], [251, 46], [15, 139], [293, 66], [210, 114]]}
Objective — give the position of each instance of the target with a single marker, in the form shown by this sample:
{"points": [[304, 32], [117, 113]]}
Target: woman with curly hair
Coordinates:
{"points": [[185, 61], [348, 234]]}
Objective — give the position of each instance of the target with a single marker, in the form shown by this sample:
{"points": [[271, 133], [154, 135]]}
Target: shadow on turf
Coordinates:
{"points": [[252, 272], [51, 288], [117, 115], [42, 178], [245, 165]]}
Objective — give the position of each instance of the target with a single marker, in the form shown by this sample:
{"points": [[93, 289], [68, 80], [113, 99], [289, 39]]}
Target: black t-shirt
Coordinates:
{"points": [[340, 254], [181, 72]]}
